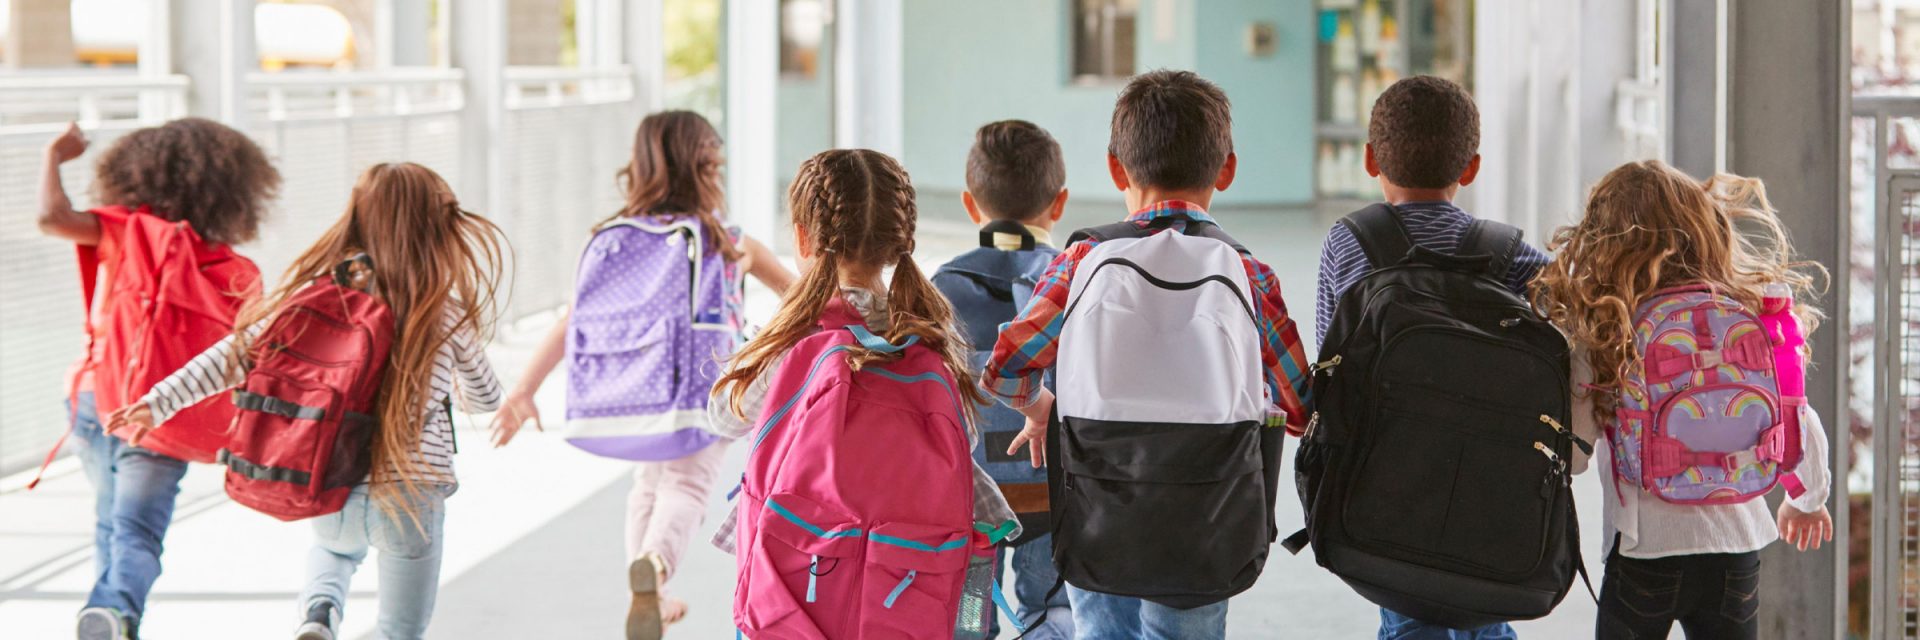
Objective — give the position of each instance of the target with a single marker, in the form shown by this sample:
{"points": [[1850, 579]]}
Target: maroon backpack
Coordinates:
{"points": [[302, 437]]}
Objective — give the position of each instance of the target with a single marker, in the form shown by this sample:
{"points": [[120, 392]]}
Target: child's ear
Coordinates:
{"points": [[1119, 173], [1472, 171], [1373, 168], [1059, 206], [1227, 169], [973, 208]]}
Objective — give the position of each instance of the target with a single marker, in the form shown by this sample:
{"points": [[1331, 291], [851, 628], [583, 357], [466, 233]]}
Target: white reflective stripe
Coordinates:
{"points": [[618, 426]]}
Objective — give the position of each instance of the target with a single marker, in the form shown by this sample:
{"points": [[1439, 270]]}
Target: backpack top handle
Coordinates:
{"points": [[343, 273]]}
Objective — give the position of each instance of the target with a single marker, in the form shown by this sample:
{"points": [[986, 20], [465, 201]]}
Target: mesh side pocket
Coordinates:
{"points": [[976, 600]]}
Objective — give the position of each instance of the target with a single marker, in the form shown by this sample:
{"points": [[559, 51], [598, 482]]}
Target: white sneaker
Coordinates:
{"points": [[101, 623], [322, 617]]}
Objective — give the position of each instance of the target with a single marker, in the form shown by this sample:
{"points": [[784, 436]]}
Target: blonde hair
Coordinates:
{"points": [[431, 260], [857, 206], [1649, 227]]}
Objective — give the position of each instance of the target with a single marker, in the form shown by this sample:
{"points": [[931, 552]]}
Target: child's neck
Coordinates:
{"points": [[868, 278], [1396, 194], [1140, 197]]}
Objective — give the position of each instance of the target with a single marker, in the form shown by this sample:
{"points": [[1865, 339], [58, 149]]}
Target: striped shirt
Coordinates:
{"points": [[1028, 345], [1435, 225], [461, 359]]}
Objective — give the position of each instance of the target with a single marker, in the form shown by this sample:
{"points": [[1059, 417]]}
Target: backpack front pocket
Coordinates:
{"points": [[803, 573], [911, 580], [620, 368]]}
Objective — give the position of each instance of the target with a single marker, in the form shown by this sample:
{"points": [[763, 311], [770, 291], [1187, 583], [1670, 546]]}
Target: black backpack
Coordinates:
{"points": [[1435, 471]]}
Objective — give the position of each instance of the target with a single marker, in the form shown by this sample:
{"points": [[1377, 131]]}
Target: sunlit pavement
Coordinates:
{"points": [[534, 535]]}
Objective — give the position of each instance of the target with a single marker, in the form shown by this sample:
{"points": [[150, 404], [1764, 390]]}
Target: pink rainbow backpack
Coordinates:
{"points": [[856, 515], [1712, 415]]}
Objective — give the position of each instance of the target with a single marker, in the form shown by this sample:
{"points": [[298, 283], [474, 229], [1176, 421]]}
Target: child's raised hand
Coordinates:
{"points": [[1034, 435], [514, 413], [68, 145], [1805, 531], [136, 416]]}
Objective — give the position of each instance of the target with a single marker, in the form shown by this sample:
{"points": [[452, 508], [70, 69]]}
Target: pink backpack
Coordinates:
{"points": [[1712, 416], [856, 515]]}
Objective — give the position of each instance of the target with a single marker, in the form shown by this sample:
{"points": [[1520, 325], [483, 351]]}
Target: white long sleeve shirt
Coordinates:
{"points": [[1649, 527], [461, 358]]}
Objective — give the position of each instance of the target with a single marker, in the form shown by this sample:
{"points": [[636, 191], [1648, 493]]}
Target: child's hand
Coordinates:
{"points": [[136, 415], [514, 413], [69, 145], [1803, 530], [1035, 433]]}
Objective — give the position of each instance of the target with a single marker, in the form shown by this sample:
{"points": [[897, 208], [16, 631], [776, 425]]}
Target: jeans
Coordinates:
{"points": [[1713, 595], [1099, 616], [668, 501], [134, 492], [409, 558], [1033, 576], [1394, 626]]}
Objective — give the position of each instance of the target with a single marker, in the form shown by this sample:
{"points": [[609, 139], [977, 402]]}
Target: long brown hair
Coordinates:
{"points": [[675, 170], [192, 169], [857, 208], [1650, 227], [437, 267]]}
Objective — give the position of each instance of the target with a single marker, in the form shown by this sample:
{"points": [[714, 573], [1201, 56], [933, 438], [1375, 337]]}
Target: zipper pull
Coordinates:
{"points": [[1327, 366], [1585, 447], [1313, 424], [1546, 451]]}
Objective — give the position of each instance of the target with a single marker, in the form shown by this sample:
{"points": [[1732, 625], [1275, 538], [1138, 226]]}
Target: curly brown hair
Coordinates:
{"points": [[194, 170], [1424, 132]]}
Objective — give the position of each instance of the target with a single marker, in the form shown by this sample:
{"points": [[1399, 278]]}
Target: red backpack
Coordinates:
{"points": [[302, 438], [171, 296]]}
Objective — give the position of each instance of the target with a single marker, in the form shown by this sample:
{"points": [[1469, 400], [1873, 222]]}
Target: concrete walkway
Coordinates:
{"points": [[534, 535]]}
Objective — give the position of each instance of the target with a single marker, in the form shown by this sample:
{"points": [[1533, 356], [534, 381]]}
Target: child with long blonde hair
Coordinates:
{"points": [[436, 266], [1649, 231], [674, 178]]}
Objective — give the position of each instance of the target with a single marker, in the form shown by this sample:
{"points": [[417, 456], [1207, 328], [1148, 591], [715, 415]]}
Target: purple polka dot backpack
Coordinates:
{"points": [[654, 315]]}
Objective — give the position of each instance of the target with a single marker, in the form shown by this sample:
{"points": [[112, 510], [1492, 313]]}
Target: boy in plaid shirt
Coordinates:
{"points": [[1171, 149]]}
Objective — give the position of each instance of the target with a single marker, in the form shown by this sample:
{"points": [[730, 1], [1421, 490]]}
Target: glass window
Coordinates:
{"points": [[803, 26], [1103, 39]]}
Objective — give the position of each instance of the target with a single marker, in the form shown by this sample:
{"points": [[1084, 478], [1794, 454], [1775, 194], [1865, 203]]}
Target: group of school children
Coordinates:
{"points": [[1107, 410]]}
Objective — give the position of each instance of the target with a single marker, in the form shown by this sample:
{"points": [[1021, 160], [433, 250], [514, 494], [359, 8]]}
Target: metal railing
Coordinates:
{"points": [[1890, 361]]}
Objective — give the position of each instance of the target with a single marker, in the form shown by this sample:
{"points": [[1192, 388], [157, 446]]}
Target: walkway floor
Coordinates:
{"points": [[534, 543]]}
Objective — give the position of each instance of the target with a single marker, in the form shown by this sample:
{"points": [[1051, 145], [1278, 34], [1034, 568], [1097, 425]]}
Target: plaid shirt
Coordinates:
{"points": [[1028, 345]]}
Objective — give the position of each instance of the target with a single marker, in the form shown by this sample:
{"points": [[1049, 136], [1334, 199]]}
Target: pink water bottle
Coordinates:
{"points": [[1783, 330]]}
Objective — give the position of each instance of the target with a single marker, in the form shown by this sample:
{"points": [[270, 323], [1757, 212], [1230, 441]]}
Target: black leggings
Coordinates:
{"points": [[1712, 596]]}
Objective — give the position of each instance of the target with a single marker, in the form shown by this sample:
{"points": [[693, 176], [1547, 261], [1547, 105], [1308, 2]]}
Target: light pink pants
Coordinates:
{"points": [[668, 503]]}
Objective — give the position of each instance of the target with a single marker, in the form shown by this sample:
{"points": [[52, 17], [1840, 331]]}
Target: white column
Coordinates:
{"points": [[646, 52], [867, 76], [156, 61], [753, 74], [401, 27], [479, 35], [217, 63]]}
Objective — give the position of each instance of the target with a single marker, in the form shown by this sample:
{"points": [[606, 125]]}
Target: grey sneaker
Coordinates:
{"points": [[643, 615], [102, 623], [322, 617]]}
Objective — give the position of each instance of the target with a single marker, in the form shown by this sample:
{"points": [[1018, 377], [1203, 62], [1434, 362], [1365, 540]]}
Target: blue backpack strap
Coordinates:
{"points": [[876, 343]]}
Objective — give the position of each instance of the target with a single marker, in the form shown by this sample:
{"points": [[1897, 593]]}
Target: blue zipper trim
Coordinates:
{"points": [[810, 527], [804, 384], [899, 589], [924, 377], [917, 546], [876, 343]]}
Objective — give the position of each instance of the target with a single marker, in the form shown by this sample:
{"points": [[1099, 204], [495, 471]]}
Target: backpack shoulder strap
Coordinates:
{"points": [[1107, 232], [1381, 236], [1498, 240], [1213, 230]]}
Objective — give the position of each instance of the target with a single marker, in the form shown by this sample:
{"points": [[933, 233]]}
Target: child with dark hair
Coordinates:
{"points": [[1171, 149], [194, 185], [1423, 145], [1016, 191]]}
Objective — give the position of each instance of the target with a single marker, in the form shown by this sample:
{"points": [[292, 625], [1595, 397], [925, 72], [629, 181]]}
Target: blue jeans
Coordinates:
{"points": [[1098, 616], [134, 491], [1394, 626], [409, 559], [1033, 576]]}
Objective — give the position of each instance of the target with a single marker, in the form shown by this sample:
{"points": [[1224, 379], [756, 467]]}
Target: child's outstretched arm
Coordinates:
{"points": [[479, 388], [57, 217], [1804, 521], [206, 374], [759, 262], [518, 407]]}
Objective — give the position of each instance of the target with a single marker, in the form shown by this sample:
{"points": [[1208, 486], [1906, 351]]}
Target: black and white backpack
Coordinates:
{"points": [[1435, 469], [1162, 474]]}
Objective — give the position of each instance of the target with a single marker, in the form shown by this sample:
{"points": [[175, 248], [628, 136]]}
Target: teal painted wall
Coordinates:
{"points": [[970, 63]]}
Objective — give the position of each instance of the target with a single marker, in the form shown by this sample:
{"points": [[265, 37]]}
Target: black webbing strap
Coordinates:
{"points": [[1008, 227], [1294, 543], [1381, 236], [1498, 241], [249, 469], [1199, 228], [251, 401]]}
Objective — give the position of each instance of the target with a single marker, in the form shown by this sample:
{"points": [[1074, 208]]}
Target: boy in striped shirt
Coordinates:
{"points": [[1423, 145]]}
